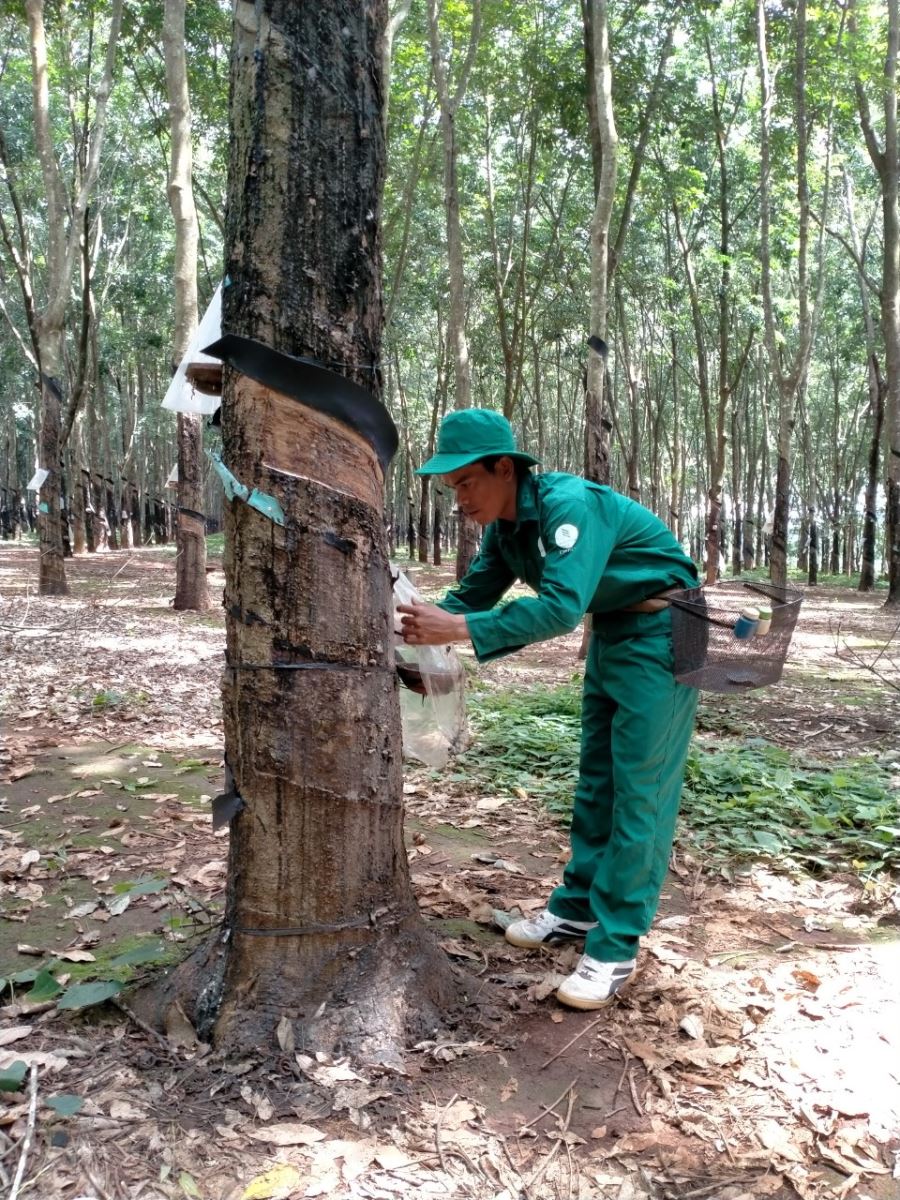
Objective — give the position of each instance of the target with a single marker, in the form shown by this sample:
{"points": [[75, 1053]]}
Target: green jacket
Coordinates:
{"points": [[582, 547]]}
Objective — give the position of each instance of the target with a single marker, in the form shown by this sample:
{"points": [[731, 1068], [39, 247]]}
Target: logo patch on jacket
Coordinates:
{"points": [[566, 536]]}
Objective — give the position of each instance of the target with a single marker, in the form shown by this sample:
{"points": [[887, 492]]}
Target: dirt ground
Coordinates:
{"points": [[757, 1052]]}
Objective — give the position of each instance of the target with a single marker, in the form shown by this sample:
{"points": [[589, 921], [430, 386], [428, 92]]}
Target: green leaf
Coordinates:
{"points": [[11, 1077], [65, 1104], [46, 987], [83, 995], [188, 1184], [148, 887], [144, 887], [768, 841], [28, 976], [139, 955]]}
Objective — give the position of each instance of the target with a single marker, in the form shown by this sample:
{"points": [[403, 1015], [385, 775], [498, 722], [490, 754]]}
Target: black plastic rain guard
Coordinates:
{"points": [[707, 653]]}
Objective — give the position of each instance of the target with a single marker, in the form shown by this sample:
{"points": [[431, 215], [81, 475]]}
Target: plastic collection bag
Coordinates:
{"points": [[432, 702]]}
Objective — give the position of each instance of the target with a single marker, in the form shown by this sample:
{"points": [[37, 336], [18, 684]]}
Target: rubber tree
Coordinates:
{"points": [[191, 591], [887, 166], [450, 97], [321, 929], [65, 217], [789, 368]]}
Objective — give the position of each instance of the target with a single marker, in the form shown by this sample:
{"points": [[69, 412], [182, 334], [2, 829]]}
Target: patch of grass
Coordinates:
{"points": [[761, 575], [215, 545], [125, 959], [742, 802]]}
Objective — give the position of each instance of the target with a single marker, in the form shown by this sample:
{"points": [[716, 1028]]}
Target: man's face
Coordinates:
{"points": [[485, 495]]}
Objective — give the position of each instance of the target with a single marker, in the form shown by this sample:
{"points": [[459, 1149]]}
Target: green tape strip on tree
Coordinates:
{"points": [[235, 490]]}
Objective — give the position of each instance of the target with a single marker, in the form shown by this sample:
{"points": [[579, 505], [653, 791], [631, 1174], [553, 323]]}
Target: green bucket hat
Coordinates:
{"points": [[469, 434]]}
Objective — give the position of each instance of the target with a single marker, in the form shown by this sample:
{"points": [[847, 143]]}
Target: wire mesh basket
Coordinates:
{"points": [[708, 652]]}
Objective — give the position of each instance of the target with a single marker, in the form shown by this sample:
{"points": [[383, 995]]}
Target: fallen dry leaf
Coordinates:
{"points": [[122, 1110], [287, 1133], [453, 1117], [392, 1157], [179, 1029], [692, 1025], [777, 1138], [807, 979], [285, 1035], [15, 1034], [648, 1053]]}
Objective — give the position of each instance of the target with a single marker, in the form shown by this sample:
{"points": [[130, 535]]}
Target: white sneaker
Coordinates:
{"points": [[546, 929], [595, 984]]}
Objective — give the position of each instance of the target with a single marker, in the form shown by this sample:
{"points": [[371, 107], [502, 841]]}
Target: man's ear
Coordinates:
{"points": [[509, 468]]}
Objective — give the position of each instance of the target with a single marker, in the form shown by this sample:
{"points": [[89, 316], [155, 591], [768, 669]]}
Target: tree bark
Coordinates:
{"points": [[191, 591], [321, 926], [449, 103], [792, 380], [65, 227], [887, 167], [606, 138]]}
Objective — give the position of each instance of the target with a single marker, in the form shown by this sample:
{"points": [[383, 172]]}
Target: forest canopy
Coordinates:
{"points": [[751, 257]]}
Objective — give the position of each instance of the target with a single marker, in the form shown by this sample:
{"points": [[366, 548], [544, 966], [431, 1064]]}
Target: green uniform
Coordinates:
{"points": [[584, 548]]}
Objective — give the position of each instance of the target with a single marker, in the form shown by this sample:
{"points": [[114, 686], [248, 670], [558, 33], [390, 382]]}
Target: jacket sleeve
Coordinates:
{"points": [[484, 583], [577, 545]]}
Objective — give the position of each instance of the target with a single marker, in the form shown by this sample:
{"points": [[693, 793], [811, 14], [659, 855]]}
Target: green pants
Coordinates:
{"points": [[636, 727]]}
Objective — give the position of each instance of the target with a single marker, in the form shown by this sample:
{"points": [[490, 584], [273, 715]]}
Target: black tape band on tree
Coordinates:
{"points": [[312, 384]]}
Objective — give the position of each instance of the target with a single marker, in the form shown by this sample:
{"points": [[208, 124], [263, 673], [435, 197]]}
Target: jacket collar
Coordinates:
{"points": [[526, 506]]}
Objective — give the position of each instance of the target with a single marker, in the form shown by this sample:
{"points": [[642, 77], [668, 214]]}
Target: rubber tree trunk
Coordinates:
{"points": [[870, 521], [191, 591], [605, 140], [321, 926], [65, 216], [52, 571], [450, 97]]}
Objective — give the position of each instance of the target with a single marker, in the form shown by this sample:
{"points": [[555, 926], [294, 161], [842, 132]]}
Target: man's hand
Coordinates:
{"points": [[428, 625]]}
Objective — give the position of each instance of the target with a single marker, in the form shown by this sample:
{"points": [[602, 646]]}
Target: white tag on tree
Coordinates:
{"points": [[38, 479]]}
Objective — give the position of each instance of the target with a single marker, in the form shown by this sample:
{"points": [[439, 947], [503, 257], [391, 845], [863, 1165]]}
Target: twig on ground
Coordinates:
{"points": [[422, 1158], [872, 667], [95, 1184], [712, 1187], [542, 1169], [634, 1096], [572, 1041], [546, 1109], [148, 1029], [560, 1141], [572, 1173], [517, 1170], [437, 1133], [816, 732], [29, 1132]]}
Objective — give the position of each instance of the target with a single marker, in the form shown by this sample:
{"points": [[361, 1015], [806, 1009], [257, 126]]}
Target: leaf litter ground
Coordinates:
{"points": [[755, 1054]]}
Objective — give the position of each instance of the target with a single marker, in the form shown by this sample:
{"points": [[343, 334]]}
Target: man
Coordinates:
{"points": [[583, 549]]}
